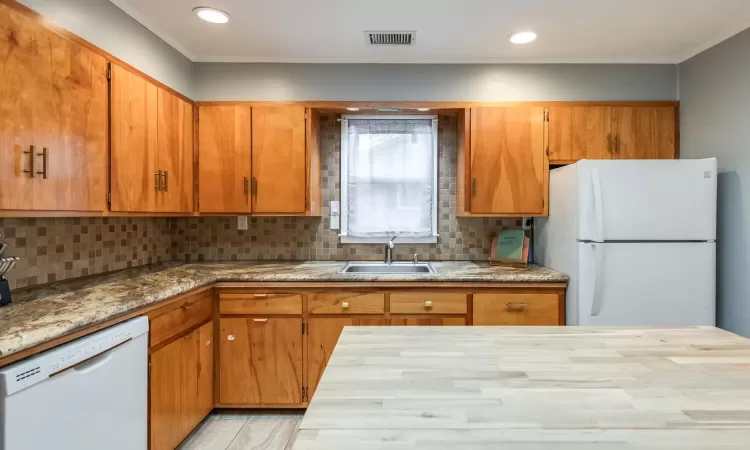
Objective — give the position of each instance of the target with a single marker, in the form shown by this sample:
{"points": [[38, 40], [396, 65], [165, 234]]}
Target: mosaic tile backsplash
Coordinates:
{"points": [[310, 238], [63, 248]]}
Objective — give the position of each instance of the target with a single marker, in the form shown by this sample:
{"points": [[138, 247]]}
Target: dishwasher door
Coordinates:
{"points": [[88, 394]]}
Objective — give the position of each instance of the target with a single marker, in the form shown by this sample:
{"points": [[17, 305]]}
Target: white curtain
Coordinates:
{"points": [[390, 178]]}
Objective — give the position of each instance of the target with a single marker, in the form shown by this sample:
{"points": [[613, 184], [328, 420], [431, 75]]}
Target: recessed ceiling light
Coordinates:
{"points": [[423, 109], [352, 109], [522, 37], [212, 15]]}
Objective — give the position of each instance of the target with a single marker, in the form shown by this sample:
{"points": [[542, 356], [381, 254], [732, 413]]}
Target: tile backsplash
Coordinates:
{"points": [[54, 249], [310, 238]]}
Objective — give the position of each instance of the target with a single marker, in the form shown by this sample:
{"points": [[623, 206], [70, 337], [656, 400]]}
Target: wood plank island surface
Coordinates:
{"points": [[561, 388]]}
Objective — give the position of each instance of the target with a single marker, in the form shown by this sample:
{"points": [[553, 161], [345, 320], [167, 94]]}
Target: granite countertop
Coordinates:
{"points": [[43, 314], [531, 388]]}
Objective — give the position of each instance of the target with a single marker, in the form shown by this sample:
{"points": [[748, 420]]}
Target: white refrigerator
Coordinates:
{"points": [[637, 239]]}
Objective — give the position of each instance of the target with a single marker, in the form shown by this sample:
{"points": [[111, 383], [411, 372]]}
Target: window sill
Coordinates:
{"points": [[384, 240]]}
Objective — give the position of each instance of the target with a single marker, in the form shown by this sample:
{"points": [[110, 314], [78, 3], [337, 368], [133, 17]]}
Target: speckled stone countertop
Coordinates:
{"points": [[40, 315]]}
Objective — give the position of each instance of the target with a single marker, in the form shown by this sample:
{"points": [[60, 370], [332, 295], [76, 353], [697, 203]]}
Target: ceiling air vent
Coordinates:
{"points": [[390, 37]]}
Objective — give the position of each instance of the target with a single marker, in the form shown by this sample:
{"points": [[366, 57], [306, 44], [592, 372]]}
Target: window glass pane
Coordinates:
{"points": [[390, 177]]}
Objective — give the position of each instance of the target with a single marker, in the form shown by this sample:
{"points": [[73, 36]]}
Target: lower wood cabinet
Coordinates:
{"points": [[260, 361], [322, 335], [429, 321], [518, 309], [181, 387]]}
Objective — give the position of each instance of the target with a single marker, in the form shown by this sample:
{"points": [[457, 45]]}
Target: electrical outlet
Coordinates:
{"points": [[526, 223], [335, 215], [242, 223]]}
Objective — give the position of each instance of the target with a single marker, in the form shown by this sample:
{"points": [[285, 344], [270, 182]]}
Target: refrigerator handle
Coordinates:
{"points": [[596, 304], [598, 205]]}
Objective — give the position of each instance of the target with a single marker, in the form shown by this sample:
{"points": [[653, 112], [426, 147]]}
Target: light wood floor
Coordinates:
{"points": [[235, 430]]}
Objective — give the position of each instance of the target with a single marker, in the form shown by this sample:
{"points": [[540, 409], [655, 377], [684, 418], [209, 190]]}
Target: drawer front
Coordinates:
{"points": [[346, 303], [428, 303], [516, 309], [188, 313], [259, 303]]}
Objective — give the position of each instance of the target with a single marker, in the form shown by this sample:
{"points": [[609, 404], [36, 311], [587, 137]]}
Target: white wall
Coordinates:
{"points": [[429, 82], [106, 26], [715, 122]]}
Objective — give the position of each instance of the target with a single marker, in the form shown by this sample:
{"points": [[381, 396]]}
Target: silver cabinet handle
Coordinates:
{"points": [[45, 163], [157, 182], [32, 156], [166, 181]]}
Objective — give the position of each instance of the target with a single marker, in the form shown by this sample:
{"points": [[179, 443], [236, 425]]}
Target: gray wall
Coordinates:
{"points": [[428, 82], [106, 26], [715, 110]]}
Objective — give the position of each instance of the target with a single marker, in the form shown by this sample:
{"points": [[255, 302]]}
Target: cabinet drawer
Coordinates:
{"points": [[345, 303], [516, 309], [428, 303], [188, 312], [230, 303]]}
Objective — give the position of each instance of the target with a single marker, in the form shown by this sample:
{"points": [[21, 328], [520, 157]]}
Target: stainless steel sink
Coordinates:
{"points": [[379, 267]]}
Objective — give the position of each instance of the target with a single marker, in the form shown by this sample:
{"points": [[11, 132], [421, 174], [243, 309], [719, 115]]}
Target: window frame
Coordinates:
{"points": [[345, 239]]}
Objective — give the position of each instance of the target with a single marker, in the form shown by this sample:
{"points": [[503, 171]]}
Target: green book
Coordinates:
{"points": [[510, 244]]}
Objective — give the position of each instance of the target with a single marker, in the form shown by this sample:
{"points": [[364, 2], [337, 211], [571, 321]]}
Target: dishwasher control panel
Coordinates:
{"points": [[24, 374]]}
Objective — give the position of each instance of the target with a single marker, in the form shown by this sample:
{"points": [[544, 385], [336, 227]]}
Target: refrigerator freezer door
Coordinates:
{"points": [[646, 284], [647, 200]]}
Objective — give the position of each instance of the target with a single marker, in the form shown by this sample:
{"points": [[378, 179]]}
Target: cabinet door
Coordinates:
{"points": [[518, 309], [646, 132], [279, 160], [174, 155], [579, 132], [54, 97], [322, 336], [133, 142], [224, 159], [508, 171], [428, 321], [181, 387], [260, 361]]}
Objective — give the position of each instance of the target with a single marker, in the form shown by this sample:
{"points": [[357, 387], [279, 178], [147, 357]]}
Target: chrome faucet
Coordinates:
{"points": [[389, 250]]}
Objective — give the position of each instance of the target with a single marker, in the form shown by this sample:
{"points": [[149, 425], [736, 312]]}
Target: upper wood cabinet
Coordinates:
{"points": [[611, 132], [503, 169], [224, 159], [579, 132], [174, 154], [53, 120], [278, 159], [151, 155], [644, 132], [260, 160]]}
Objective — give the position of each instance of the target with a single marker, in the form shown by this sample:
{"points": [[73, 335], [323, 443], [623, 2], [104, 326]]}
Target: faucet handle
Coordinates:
{"points": [[390, 241], [416, 258]]}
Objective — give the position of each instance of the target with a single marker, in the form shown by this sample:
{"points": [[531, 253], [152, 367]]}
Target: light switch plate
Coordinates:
{"points": [[335, 215], [242, 222], [526, 223]]}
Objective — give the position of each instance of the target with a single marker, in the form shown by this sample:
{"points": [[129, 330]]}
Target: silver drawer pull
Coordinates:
{"points": [[344, 305], [428, 304]]}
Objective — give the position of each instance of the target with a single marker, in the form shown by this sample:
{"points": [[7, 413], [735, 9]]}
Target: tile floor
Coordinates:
{"points": [[235, 430]]}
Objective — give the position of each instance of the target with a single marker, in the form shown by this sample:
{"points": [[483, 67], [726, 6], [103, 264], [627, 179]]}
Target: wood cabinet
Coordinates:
{"points": [[428, 303], [518, 309], [260, 361], [611, 132], [151, 155], [504, 168], [174, 154], [345, 303], [53, 120], [323, 333], [181, 387], [278, 159], [428, 321], [224, 159], [645, 132]]}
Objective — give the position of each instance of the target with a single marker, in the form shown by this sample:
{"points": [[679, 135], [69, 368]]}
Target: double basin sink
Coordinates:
{"points": [[384, 268]]}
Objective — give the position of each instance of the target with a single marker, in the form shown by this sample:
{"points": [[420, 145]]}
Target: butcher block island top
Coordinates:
{"points": [[532, 388]]}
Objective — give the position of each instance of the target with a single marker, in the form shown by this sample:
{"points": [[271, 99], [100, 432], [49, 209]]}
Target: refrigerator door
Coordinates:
{"points": [[646, 200], [645, 284]]}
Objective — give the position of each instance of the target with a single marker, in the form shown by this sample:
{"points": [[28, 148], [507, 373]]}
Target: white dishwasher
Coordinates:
{"points": [[90, 393]]}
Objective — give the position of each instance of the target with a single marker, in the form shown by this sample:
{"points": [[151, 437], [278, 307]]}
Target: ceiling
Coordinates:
{"points": [[448, 31]]}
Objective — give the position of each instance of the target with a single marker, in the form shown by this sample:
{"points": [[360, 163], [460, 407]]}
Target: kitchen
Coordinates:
{"points": [[199, 215]]}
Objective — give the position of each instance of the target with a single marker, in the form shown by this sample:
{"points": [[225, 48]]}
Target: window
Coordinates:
{"points": [[389, 179]]}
